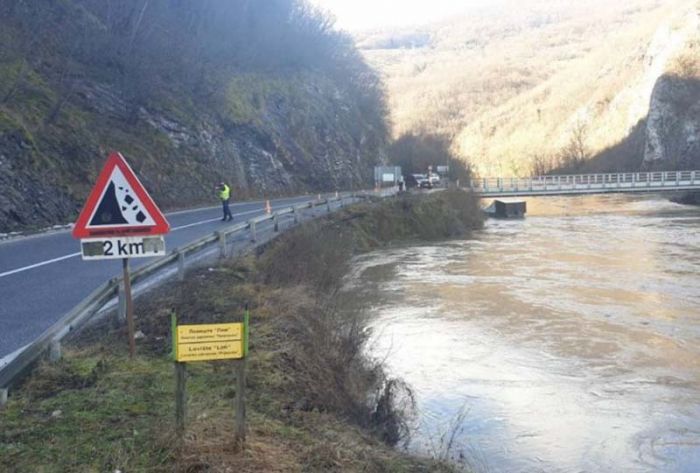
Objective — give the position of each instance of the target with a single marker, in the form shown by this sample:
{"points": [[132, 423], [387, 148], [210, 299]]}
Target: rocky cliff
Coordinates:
{"points": [[673, 124], [264, 95]]}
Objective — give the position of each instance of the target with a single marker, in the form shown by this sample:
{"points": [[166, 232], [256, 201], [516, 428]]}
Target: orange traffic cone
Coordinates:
{"points": [[268, 207]]}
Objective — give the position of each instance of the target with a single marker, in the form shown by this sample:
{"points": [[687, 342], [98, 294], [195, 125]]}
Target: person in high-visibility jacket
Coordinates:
{"points": [[225, 196]]}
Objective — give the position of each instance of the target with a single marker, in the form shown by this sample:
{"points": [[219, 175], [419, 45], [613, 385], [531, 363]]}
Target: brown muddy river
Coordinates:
{"points": [[565, 342]]}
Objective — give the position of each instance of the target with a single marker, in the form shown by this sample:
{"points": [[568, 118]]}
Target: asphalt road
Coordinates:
{"points": [[42, 277]]}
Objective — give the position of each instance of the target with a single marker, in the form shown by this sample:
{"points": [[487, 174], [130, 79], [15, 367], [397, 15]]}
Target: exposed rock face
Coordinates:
{"points": [[673, 124], [180, 162], [26, 192]]}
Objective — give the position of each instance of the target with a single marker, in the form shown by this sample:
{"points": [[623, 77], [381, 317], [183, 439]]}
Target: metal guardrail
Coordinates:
{"points": [[587, 183], [92, 304]]}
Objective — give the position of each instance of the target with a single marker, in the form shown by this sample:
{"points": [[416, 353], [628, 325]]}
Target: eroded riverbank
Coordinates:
{"points": [[569, 341]]}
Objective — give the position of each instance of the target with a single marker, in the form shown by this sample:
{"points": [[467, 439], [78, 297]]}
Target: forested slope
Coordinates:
{"points": [[540, 85], [265, 95]]}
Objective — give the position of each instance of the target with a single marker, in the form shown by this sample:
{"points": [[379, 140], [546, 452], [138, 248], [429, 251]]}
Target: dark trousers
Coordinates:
{"points": [[227, 209]]}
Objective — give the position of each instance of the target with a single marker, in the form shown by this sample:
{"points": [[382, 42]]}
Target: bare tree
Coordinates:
{"points": [[540, 165], [576, 152]]}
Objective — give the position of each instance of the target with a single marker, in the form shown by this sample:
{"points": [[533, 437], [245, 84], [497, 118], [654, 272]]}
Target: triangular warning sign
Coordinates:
{"points": [[119, 205]]}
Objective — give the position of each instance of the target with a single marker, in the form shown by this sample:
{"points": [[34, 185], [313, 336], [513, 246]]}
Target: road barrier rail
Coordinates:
{"points": [[587, 183], [49, 342]]}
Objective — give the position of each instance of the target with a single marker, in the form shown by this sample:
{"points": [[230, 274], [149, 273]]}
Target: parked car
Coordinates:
{"points": [[423, 181], [411, 181], [429, 182]]}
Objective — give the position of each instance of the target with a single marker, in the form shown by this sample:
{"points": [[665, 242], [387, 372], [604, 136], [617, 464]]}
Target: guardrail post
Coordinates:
{"points": [[253, 236], [54, 351], [181, 265], [3, 397], [296, 215], [222, 244], [275, 220], [328, 205]]}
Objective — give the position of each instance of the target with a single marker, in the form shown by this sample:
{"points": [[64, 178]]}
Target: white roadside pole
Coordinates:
{"points": [[121, 221]]}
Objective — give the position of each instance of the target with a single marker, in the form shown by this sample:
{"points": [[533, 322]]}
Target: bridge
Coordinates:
{"points": [[579, 184]]}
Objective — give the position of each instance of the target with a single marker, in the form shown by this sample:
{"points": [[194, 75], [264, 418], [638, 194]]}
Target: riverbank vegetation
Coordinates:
{"points": [[316, 401]]}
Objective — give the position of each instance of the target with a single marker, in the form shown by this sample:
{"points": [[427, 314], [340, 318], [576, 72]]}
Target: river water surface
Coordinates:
{"points": [[565, 342]]}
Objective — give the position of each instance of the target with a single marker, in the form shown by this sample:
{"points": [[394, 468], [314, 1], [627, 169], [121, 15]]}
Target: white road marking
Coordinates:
{"points": [[73, 255], [43, 263], [209, 220], [235, 204]]}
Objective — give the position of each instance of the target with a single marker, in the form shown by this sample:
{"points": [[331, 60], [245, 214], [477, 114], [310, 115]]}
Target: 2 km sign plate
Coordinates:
{"points": [[122, 247]]}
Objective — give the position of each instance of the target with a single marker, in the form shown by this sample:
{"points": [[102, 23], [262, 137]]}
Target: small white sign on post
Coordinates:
{"points": [[122, 247], [386, 177]]}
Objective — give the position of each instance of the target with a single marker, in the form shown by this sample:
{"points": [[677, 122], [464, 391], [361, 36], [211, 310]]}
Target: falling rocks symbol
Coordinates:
{"points": [[108, 212], [119, 205]]}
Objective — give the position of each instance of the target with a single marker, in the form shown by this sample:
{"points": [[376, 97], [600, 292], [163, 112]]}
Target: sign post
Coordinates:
{"points": [[209, 342], [121, 221], [129, 306], [240, 385]]}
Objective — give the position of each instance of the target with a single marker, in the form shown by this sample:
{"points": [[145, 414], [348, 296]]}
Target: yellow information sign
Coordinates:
{"points": [[209, 342]]}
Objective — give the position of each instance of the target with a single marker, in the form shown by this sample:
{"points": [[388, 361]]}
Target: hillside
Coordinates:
{"points": [[264, 95], [526, 87]]}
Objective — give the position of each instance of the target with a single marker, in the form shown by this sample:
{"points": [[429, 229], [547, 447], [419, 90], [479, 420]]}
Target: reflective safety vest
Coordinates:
{"points": [[225, 193]]}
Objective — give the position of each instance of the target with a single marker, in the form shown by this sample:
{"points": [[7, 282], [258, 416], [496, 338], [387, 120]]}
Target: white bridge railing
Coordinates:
{"points": [[588, 183]]}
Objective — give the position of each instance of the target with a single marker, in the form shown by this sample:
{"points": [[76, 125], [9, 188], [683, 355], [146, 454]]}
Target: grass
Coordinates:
{"points": [[315, 401], [90, 412], [98, 411]]}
